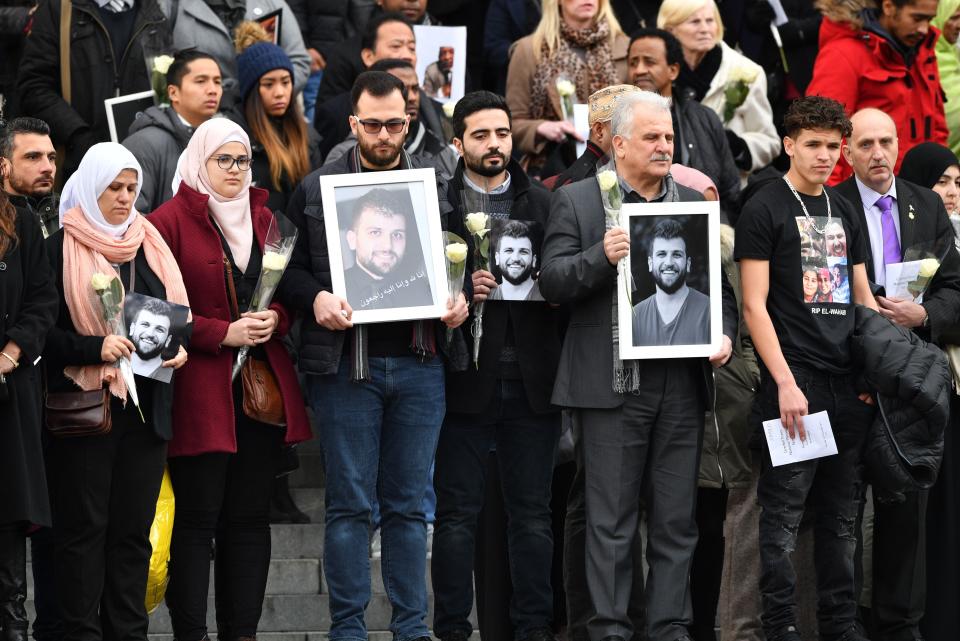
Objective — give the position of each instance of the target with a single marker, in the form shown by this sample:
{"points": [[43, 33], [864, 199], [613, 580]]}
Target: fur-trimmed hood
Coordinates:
{"points": [[846, 11]]}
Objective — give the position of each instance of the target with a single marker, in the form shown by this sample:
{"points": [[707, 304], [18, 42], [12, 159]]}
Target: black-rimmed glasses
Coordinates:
{"points": [[225, 162], [374, 126]]}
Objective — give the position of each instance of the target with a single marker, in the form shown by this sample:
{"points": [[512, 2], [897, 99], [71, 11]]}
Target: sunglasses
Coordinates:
{"points": [[374, 126]]}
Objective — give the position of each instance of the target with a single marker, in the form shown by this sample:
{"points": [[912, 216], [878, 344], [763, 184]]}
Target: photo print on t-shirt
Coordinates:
{"points": [[823, 257]]}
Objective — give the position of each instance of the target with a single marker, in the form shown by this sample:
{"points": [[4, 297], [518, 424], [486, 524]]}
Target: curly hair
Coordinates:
{"points": [[816, 112], [8, 224]]}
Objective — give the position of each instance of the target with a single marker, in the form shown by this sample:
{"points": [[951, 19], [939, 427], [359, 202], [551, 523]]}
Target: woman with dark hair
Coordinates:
{"points": [[222, 460], [28, 309], [104, 486], [284, 148], [935, 167]]}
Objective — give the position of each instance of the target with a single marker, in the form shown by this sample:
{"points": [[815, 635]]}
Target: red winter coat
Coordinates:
{"points": [[862, 69], [203, 413]]}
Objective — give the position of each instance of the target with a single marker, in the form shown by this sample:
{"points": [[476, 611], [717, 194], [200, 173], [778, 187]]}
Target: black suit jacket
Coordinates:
{"points": [[929, 224]]}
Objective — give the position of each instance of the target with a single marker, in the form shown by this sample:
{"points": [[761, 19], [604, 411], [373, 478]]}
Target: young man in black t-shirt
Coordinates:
{"points": [[804, 345]]}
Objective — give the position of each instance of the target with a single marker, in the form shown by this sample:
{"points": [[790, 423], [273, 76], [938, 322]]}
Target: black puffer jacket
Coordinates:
{"points": [[912, 380]]}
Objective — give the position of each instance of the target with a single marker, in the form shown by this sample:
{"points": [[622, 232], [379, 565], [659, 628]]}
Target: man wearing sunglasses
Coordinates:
{"points": [[378, 387]]}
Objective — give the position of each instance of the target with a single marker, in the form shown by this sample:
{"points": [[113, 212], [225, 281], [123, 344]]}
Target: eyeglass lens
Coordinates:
{"points": [[374, 126], [226, 162]]}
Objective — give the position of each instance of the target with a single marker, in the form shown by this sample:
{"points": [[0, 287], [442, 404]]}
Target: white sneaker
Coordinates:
{"points": [[375, 545], [429, 540]]}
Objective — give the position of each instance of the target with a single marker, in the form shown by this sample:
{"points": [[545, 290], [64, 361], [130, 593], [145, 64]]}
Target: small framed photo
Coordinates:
{"points": [[157, 328], [515, 259], [442, 61], [674, 309], [271, 23], [123, 110], [385, 244]]}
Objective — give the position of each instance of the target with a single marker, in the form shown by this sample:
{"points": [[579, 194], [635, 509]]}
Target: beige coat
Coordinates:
{"points": [[520, 80]]}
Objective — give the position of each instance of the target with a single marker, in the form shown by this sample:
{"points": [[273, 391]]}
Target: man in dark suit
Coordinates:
{"points": [[637, 435], [899, 218]]}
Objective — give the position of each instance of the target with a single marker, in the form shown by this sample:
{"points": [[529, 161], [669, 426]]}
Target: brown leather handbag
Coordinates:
{"points": [[262, 400], [78, 413]]}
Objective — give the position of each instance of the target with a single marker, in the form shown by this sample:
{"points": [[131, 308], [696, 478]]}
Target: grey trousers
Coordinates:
{"points": [[651, 444]]}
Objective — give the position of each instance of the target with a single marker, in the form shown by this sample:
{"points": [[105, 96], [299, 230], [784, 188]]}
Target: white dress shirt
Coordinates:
{"points": [[868, 198]]}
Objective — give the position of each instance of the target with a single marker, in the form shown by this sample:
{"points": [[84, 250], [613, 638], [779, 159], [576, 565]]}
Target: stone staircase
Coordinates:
{"points": [[296, 603]]}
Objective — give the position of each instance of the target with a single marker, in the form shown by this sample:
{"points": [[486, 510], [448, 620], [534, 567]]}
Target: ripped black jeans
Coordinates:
{"points": [[831, 486]]}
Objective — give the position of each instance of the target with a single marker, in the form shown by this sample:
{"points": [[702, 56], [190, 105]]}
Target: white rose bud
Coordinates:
{"points": [[448, 109], [456, 252], [607, 179], [928, 267], [162, 63], [565, 88], [274, 261], [100, 282], [477, 222]]}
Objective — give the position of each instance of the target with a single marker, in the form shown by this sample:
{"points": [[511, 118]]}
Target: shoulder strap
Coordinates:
{"points": [[66, 15], [231, 290]]}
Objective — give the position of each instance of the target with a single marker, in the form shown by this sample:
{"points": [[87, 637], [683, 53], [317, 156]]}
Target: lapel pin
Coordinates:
{"points": [[910, 212]]}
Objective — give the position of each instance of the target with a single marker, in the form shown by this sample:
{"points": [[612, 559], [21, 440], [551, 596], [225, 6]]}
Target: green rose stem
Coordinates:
{"points": [[109, 292]]}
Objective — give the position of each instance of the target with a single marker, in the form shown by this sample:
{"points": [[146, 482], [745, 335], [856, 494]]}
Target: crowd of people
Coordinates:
{"points": [[628, 499]]}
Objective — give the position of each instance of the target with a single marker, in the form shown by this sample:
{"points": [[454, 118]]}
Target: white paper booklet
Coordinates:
{"points": [[818, 443], [902, 278]]}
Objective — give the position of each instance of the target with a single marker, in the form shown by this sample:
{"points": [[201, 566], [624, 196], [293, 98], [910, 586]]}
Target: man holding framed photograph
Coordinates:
{"points": [[378, 387], [641, 420]]}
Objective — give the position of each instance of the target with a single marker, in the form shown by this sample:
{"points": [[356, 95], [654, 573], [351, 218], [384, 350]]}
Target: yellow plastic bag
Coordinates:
{"points": [[160, 533]]}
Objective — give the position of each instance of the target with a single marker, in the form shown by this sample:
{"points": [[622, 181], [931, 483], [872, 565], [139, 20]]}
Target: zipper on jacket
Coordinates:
{"points": [[113, 57], [716, 426]]}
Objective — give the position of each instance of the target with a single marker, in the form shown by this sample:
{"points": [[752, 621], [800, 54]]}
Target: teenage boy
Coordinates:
{"points": [[806, 367]]}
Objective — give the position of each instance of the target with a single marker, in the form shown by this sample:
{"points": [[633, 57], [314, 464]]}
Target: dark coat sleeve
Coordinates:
{"points": [[331, 123], [39, 80], [500, 32], [299, 287], [728, 176], [943, 301], [343, 66], [731, 314], [38, 310], [13, 20]]}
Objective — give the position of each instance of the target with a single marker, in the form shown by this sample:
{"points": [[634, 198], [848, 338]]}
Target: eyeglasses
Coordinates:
{"points": [[374, 126], [226, 162]]}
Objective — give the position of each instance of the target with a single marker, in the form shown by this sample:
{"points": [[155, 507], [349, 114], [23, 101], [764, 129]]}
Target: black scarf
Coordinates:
{"points": [[695, 83]]}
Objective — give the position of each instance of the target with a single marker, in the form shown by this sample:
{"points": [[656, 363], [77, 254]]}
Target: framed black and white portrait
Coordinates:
{"points": [[515, 259], [442, 61], [157, 328], [385, 244], [122, 111], [673, 306]]}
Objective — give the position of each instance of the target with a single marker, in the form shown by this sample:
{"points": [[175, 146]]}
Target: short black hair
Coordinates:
{"points": [[514, 229], [667, 229], [385, 201], [472, 103], [389, 64], [378, 84], [369, 38], [816, 112], [180, 66], [670, 43], [21, 125]]}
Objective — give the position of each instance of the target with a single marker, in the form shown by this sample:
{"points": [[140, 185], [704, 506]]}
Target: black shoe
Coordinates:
{"points": [[282, 507], [456, 635], [540, 634], [788, 634], [852, 633], [13, 583]]}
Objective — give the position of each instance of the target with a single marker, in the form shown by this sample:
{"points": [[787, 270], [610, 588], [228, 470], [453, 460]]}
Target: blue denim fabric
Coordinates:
{"points": [[832, 487], [429, 504], [379, 439], [310, 91], [526, 445]]}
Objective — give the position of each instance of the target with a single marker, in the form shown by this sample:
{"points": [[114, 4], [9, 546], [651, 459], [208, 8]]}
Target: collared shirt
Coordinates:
{"points": [[868, 199], [628, 190], [116, 6], [496, 190]]}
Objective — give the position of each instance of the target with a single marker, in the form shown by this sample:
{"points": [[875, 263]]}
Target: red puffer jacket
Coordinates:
{"points": [[860, 68]]}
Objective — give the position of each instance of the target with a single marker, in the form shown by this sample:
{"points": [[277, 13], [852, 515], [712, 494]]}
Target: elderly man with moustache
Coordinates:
{"points": [[897, 216], [636, 437]]}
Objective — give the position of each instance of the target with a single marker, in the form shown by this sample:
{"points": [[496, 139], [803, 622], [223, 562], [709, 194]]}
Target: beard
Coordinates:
{"points": [[15, 184], [670, 288], [519, 278], [379, 156], [477, 164], [146, 349], [373, 266]]}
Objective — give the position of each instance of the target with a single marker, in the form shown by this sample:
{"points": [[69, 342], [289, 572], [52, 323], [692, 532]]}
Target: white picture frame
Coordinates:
{"points": [[415, 192], [430, 41], [643, 333], [123, 110]]}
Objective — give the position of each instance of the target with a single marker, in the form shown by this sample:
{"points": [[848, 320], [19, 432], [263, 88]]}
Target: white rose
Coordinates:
{"points": [[274, 261], [456, 252], [928, 267], [477, 222], [100, 281], [448, 109], [162, 63], [743, 74], [607, 179], [565, 88]]}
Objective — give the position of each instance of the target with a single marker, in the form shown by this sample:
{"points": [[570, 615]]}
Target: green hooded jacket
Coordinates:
{"points": [[948, 60]]}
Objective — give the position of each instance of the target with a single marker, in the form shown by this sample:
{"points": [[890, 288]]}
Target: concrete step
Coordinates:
{"points": [[310, 501], [310, 473], [292, 541]]}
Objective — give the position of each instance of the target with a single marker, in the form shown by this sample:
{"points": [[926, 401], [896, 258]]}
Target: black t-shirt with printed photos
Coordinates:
{"points": [[811, 271]]}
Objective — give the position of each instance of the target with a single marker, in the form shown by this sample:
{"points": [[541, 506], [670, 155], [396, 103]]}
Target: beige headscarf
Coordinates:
{"points": [[232, 215]]}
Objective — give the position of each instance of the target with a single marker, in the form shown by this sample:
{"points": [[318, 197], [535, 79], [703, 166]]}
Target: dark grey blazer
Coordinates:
{"points": [[576, 272]]}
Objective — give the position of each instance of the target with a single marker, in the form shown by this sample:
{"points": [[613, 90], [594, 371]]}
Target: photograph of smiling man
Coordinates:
{"points": [[156, 328], [516, 259]]}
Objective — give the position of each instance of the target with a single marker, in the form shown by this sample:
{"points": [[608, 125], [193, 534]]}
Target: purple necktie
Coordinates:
{"points": [[891, 244]]}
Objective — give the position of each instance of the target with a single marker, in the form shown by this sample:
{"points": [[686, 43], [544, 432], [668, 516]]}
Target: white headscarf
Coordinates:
{"points": [[232, 215], [99, 167]]}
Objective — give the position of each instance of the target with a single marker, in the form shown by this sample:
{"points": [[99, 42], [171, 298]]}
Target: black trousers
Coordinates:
{"points": [[707, 569], [226, 498], [47, 625], [104, 495]]}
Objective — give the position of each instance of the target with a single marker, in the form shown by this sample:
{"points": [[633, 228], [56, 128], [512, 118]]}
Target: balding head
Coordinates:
{"points": [[872, 148]]}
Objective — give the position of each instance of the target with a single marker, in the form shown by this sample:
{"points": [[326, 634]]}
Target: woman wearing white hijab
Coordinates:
{"points": [[222, 462], [104, 488]]}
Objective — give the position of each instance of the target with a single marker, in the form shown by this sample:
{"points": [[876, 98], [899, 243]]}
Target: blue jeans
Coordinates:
{"points": [[526, 445], [379, 438], [310, 91], [832, 487], [429, 504]]}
